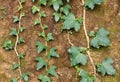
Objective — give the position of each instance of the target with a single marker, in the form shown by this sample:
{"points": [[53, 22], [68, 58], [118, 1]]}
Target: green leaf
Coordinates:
{"points": [[106, 67], [43, 2], [92, 33], [15, 19], [40, 47], [22, 1], [70, 22], [41, 63], [101, 39], [42, 34], [25, 76], [52, 71], [91, 3], [49, 37], [21, 56], [15, 66], [65, 9], [14, 80], [44, 78], [36, 22], [52, 53], [85, 77], [22, 14], [45, 27], [56, 4], [35, 9], [13, 32], [56, 16], [76, 57], [8, 45], [19, 8], [21, 29], [21, 40], [42, 14]]}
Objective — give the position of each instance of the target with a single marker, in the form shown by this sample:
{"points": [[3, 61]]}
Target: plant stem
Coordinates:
{"points": [[88, 40], [68, 37]]}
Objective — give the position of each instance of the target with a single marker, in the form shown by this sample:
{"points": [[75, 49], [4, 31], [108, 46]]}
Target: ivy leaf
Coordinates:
{"points": [[76, 57], [44, 78], [52, 53], [41, 63], [14, 80], [15, 66], [43, 2], [13, 32], [21, 40], [36, 22], [42, 14], [65, 9], [25, 76], [52, 71], [8, 45], [49, 37], [91, 3], [42, 34], [22, 29], [56, 4], [21, 56], [45, 27], [101, 39], [106, 67], [92, 33], [15, 19], [85, 78], [56, 16], [40, 47], [22, 1], [19, 8], [35, 9], [70, 22]]}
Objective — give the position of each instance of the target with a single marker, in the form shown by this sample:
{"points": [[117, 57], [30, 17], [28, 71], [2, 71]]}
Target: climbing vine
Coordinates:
{"points": [[78, 55]]}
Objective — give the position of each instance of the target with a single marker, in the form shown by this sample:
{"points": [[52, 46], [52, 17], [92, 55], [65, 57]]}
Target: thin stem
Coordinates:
{"points": [[68, 37], [88, 40]]}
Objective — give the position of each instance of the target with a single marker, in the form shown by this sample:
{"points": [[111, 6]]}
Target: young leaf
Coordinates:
{"points": [[56, 4], [15, 66], [19, 8], [76, 57], [101, 39], [13, 32], [21, 56], [52, 53], [41, 63], [70, 22], [43, 2], [42, 14], [85, 78], [40, 47], [15, 19], [45, 27], [25, 76], [36, 22], [35, 9], [91, 3], [22, 1], [42, 34], [56, 16], [49, 37], [52, 71], [21, 29], [65, 9], [106, 67], [8, 45], [92, 33], [44, 78], [21, 40], [14, 80]]}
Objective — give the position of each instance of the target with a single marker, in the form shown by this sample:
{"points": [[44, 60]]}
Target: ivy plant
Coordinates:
{"points": [[44, 78], [52, 71], [8, 45]]}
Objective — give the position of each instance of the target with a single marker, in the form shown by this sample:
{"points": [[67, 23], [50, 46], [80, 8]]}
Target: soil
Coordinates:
{"points": [[107, 16]]}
